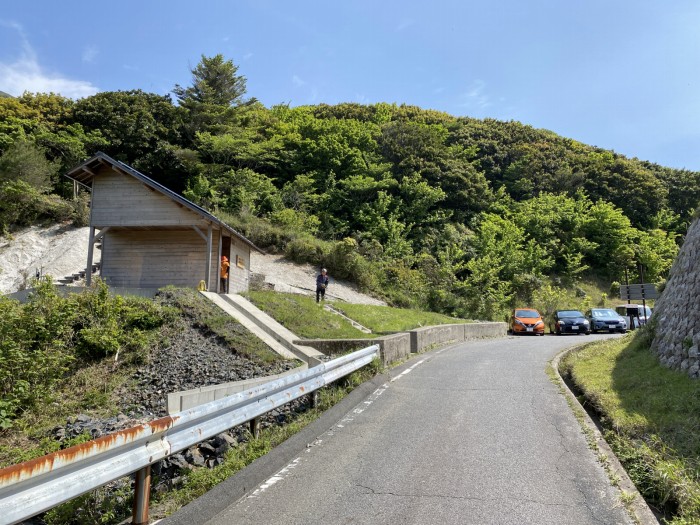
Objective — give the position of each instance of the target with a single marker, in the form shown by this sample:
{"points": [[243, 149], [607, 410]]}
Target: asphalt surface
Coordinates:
{"points": [[474, 433]]}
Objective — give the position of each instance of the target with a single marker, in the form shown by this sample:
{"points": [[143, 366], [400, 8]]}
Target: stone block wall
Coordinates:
{"points": [[676, 317]]}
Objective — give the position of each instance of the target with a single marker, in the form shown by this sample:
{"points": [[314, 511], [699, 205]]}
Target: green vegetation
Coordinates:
{"points": [[651, 415], [304, 317], [383, 319], [50, 337], [456, 215], [62, 356]]}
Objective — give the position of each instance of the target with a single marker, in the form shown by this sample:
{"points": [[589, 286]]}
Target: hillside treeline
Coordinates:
{"points": [[460, 215]]}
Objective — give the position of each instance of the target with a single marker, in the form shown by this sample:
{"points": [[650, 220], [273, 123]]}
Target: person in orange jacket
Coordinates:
{"points": [[223, 275]]}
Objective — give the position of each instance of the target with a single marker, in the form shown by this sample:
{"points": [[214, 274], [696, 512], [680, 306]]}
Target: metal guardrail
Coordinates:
{"points": [[35, 486]]}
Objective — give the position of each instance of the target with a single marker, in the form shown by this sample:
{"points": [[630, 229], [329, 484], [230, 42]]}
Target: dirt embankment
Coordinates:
{"points": [[56, 250], [289, 277]]}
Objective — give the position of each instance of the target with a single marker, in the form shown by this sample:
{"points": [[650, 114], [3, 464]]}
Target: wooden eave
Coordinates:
{"points": [[86, 172]]}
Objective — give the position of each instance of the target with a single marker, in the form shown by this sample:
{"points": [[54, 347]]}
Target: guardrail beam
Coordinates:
{"points": [[35, 486]]}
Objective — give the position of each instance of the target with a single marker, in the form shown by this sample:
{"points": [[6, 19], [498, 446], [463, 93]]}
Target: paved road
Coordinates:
{"points": [[472, 434]]}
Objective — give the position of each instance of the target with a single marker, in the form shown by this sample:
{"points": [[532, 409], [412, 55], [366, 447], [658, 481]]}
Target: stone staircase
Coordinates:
{"points": [[77, 277]]}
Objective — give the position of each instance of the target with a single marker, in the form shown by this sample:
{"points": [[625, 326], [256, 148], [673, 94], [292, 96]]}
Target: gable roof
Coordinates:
{"points": [[87, 171]]}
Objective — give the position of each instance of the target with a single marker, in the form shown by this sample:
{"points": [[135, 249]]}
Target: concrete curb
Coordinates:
{"points": [[642, 513]]}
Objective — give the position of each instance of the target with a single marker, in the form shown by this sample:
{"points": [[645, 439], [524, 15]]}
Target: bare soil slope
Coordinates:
{"points": [[56, 250]]}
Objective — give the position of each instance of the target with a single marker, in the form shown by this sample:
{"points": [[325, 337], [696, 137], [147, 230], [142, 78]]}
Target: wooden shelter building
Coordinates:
{"points": [[153, 237]]}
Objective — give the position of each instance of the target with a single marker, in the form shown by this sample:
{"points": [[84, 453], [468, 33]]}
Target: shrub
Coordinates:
{"points": [[304, 250], [21, 204], [49, 336]]}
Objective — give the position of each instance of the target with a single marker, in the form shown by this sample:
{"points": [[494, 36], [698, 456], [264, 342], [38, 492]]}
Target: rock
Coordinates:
{"points": [[194, 456], [178, 460], [231, 441]]}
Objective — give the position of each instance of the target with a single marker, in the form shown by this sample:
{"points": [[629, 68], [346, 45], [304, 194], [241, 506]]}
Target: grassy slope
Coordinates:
{"points": [[303, 316], [386, 319], [652, 417]]}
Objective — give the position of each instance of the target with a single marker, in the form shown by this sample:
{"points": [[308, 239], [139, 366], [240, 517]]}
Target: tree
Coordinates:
{"points": [[216, 89], [132, 122], [26, 162]]}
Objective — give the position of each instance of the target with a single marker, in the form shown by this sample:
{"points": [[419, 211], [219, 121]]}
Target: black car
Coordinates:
{"points": [[606, 319], [571, 322]]}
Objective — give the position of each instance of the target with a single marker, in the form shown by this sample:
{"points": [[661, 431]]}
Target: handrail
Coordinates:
{"points": [[32, 487]]}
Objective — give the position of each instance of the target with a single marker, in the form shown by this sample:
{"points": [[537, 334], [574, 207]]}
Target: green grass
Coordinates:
{"points": [[651, 417], [384, 319], [303, 316]]}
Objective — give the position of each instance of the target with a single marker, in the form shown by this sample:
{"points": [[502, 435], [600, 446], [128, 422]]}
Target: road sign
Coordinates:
{"points": [[638, 291]]}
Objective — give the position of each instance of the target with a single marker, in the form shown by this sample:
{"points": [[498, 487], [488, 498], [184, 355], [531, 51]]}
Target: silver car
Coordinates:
{"points": [[606, 319]]}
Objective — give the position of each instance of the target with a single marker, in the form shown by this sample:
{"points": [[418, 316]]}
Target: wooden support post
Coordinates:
{"points": [[91, 248], [142, 496], [218, 259], [255, 427], [207, 274]]}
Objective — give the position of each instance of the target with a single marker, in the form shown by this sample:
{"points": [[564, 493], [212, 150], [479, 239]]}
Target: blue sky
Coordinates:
{"points": [[619, 74]]}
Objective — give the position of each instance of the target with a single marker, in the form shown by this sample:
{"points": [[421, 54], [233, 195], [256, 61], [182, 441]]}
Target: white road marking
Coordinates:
{"points": [[282, 474], [276, 478]]}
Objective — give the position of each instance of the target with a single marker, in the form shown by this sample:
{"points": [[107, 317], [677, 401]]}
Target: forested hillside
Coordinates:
{"points": [[460, 215]]}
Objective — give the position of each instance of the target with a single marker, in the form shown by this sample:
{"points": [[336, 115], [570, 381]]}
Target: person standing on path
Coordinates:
{"points": [[321, 285], [224, 274]]}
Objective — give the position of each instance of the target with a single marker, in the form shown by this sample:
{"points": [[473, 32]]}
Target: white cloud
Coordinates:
{"points": [[475, 96], [25, 74], [247, 56], [90, 53], [298, 82]]}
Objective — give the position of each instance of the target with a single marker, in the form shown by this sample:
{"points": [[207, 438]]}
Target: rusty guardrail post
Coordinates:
{"points": [[142, 496]]}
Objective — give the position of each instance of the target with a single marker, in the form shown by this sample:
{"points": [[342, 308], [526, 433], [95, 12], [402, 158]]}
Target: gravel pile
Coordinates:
{"points": [[192, 360]]}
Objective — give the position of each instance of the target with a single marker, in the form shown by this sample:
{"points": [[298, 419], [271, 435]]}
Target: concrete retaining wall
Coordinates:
{"points": [[423, 338], [391, 347], [398, 346], [430, 336], [395, 347], [484, 330]]}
